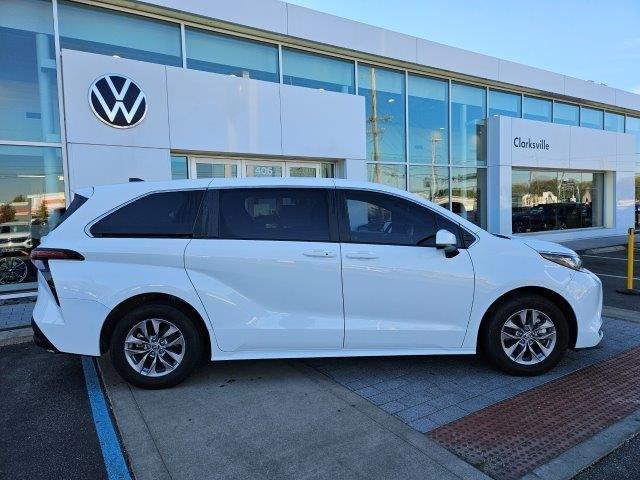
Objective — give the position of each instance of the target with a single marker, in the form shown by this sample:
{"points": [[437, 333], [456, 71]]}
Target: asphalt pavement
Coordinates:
{"points": [[46, 425], [621, 464]]}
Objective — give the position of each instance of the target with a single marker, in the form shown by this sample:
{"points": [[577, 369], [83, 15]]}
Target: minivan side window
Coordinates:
{"points": [[378, 218], [161, 215], [294, 214]]}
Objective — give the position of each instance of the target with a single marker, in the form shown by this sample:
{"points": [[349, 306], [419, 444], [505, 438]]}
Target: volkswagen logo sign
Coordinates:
{"points": [[118, 101]]}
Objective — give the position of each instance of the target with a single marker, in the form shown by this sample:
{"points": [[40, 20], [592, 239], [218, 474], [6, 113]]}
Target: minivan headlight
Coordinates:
{"points": [[571, 260]]}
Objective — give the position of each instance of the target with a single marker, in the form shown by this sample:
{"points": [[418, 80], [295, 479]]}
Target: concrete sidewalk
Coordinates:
{"points": [[269, 419]]}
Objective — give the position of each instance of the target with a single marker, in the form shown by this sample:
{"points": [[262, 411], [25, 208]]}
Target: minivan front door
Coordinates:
{"points": [[269, 273], [400, 291]]}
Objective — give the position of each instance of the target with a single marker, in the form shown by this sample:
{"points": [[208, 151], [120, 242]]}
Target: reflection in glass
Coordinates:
{"points": [[591, 118], [613, 122], [392, 175], [633, 127], [383, 90], [536, 109], [240, 57], [31, 203], [179, 169], [556, 200], [468, 125], [430, 182], [216, 170], [327, 170], [312, 70], [566, 114], [505, 104], [98, 30], [28, 89], [468, 194], [308, 172], [428, 120]]}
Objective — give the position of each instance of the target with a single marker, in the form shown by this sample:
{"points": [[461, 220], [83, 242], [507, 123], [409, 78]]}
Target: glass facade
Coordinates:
{"points": [[428, 120], [591, 118], [613, 122], [468, 194], [311, 70], [544, 200], [468, 124], [566, 114], [537, 109], [392, 175], [633, 127], [98, 30], [179, 167], [505, 104], [430, 182], [31, 203], [28, 84], [383, 90], [240, 57]]}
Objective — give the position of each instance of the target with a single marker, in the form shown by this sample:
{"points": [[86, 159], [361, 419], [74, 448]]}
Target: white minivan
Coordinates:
{"points": [[162, 275]]}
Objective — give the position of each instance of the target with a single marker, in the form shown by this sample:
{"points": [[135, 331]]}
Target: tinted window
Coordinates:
{"points": [[317, 71], [385, 219], [275, 214], [166, 214], [76, 203]]}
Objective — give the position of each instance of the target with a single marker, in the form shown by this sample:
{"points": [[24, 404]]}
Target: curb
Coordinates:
{"points": [[621, 314], [15, 336], [579, 458]]}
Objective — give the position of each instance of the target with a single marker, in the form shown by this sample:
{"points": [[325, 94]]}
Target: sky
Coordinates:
{"points": [[595, 40]]}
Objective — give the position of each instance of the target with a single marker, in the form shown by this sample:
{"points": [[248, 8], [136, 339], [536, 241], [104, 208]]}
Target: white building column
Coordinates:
{"points": [[498, 177]]}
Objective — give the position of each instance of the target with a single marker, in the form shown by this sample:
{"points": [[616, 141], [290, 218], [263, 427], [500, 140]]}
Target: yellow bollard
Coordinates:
{"points": [[630, 248], [631, 243]]}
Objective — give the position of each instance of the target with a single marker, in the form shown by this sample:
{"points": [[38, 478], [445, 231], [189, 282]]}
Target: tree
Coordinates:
{"points": [[20, 198], [7, 213], [43, 212]]}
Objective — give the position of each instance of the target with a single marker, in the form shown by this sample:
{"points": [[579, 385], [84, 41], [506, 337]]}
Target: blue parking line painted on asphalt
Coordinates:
{"points": [[114, 460]]}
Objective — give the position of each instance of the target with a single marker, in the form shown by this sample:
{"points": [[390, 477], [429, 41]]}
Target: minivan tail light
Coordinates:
{"points": [[40, 258]]}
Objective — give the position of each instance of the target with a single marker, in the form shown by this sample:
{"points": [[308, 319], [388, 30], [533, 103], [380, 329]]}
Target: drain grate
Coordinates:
{"points": [[513, 437]]}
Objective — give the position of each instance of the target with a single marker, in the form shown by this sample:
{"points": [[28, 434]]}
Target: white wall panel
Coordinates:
{"points": [[454, 59], [518, 74], [591, 90]]}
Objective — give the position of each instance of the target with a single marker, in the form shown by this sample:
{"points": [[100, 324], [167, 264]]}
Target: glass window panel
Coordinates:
{"points": [[377, 218], [613, 122], [591, 118], [240, 57], [216, 170], [98, 30], [31, 204], [431, 183], [506, 104], [384, 107], [317, 71], [428, 120], [392, 175], [294, 214], [566, 114], [633, 127], [536, 109], [265, 170], [28, 88], [468, 194], [556, 200], [327, 170], [468, 125], [179, 169]]}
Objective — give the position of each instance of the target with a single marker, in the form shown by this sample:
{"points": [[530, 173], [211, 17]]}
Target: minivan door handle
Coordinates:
{"points": [[319, 253], [362, 255]]}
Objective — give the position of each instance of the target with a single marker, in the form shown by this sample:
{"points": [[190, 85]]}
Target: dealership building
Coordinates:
{"points": [[103, 92]]}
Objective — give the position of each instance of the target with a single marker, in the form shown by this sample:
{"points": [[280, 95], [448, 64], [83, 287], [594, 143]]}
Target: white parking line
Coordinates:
{"points": [[613, 276], [611, 258]]}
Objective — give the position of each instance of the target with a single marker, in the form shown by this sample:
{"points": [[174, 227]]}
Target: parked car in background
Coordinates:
{"points": [[162, 275], [15, 245]]}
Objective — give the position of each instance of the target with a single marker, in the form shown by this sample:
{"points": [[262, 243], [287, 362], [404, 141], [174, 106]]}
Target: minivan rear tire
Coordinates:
{"points": [[492, 335], [168, 372]]}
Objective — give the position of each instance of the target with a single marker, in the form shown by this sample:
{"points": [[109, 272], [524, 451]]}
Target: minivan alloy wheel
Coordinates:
{"points": [[528, 337], [154, 347]]}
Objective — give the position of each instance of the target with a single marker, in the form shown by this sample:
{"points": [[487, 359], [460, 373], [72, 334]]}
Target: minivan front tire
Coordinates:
{"points": [[155, 346], [526, 335]]}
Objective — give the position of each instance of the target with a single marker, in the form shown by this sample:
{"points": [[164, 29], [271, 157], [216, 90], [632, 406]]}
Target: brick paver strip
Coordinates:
{"points": [[509, 439]]}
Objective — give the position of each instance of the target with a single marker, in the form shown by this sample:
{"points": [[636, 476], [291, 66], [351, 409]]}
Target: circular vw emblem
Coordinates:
{"points": [[118, 101]]}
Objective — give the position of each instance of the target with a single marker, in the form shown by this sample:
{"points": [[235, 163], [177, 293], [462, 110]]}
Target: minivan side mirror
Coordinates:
{"points": [[447, 241]]}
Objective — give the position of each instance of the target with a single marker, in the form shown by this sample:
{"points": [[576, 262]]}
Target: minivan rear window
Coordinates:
{"points": [[162, 214]]}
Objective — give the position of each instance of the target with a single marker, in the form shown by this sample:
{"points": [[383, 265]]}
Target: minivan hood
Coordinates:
{"points": [[545, 246]]}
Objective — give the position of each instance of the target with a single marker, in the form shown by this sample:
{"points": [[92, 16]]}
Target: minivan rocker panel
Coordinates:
{"points": [[273, 268]]}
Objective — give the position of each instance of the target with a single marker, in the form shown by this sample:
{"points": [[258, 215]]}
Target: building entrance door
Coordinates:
{"points": [[204, 167]]}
